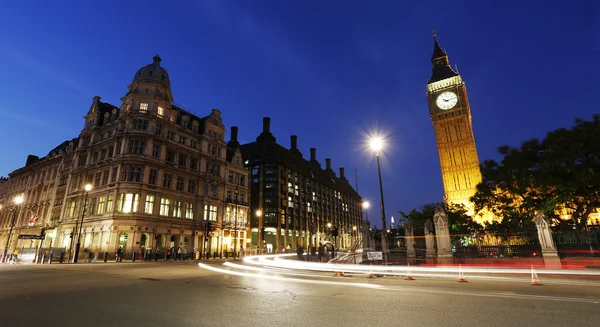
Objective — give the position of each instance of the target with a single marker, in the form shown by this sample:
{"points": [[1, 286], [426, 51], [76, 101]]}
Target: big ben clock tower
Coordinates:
{"points": [[451, 116]]}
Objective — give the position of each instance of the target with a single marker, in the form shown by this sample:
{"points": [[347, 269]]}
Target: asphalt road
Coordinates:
{"points": [[182, 294]]}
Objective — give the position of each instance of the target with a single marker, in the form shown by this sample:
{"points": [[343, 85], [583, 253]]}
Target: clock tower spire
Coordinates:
{"points": [[452, 123]]}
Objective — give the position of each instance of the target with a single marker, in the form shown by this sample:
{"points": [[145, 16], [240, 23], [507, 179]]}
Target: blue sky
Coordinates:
{"points": [[327, 71]]}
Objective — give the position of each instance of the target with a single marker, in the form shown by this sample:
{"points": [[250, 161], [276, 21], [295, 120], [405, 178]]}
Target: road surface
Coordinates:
{"points": [[183, 294]]}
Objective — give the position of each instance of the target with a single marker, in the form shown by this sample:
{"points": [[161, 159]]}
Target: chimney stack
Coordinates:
{"points": [[313, 154], [266, 125], [294, 140], [234, 133], [328, 163], [342, 173]]}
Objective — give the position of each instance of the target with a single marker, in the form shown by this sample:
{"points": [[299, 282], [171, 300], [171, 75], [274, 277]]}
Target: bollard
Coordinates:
{"points": [[43, 257], [133, 257], [226, 255], [105, 256], [50, 258], [90, 257], [221, 255], [62, 257]]}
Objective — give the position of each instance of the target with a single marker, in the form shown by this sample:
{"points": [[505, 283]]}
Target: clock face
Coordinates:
{"points": [[446, 100]]}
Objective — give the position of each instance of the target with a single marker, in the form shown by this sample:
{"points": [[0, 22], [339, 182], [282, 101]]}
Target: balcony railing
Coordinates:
{"points": [[236, 202]]}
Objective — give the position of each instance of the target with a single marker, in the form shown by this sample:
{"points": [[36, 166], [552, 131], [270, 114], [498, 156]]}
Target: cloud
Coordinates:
{"points": [[44, 69]]}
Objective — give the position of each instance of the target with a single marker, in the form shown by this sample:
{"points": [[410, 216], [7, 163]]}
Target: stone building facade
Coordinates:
{"points": [[161, 176], [295, 202]]}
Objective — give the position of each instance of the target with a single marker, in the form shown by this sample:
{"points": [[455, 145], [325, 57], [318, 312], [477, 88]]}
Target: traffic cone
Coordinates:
{"points": [[409, 273], [371, 275], [461, 276], [534, 278]]}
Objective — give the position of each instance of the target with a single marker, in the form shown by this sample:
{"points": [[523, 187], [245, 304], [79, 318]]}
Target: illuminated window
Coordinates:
{"points": [[161, 111], [165, 206], [143, 107], [128, 202], [101, 202], [177, 209], [109, 203], [189, 211], [149, 207], [210, 212], [71, 207]]}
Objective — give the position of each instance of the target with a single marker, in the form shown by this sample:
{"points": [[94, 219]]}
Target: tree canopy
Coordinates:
{"points": [[559, 172], [459, 222]]}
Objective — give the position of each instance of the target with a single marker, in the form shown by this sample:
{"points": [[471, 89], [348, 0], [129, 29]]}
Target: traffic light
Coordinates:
{"points": [[334, 232], [71, 235], [43, 233], [262, 233], [156, 236]]}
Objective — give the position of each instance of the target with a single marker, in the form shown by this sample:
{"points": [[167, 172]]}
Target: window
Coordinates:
{"points": [[82, 160], [152, 178], [177, 209], [71, 208], [170, 135], [210, 212], [156, 150], [158, 130], [182, 140], [182, 160], [230, 177], [105, 177], [189, 211], [132, 174], [213, 169], [161, 111], [128, 202], [119, 145], [136, 146], [109, 203], [143, 107], [110, 152], [114, 174], [98, 178], [192, 144], [149, 206], [140, 124], [91, 206], [194, 163], [180, 182], [192, 186], [242, 180], [170, 157], [165, 206], [101, 201], [167, 181]]}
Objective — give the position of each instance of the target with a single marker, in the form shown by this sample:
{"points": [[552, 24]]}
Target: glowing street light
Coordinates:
{"points": [[376, 144], [87, 188], [17, 200]]}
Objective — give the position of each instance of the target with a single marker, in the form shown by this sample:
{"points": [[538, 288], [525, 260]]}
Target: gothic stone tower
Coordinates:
{"points": [[451, 116]]}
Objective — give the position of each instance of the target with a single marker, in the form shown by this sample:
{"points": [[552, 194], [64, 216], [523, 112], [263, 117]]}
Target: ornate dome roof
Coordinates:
{"points": [[153, 73]]}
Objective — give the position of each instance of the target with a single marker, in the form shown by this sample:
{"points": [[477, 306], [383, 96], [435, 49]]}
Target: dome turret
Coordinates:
{"points": [[153, 73]]}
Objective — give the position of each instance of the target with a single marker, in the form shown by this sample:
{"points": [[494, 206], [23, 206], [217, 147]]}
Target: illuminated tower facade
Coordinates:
{"points": [[452, 123]]}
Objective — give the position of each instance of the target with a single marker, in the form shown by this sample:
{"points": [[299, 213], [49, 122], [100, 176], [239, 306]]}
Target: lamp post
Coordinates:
{"points": [[17, 200], [88, 188], [260, 229], [377, 144], [366, 206], [237, 191]]}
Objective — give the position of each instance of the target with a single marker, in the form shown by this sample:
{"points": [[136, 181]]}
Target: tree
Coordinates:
{"points": [[559, 172], [459, 222]]}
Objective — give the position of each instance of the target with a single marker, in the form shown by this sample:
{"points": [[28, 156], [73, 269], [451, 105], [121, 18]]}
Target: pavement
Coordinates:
{"points": [[183, 294]]}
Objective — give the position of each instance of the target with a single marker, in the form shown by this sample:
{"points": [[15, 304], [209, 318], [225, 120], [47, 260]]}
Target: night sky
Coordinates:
{"points": [[327, 71]]}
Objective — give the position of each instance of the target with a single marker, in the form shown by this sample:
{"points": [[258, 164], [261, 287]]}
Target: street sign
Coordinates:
{"points": [[31, 237], [374, 256]]}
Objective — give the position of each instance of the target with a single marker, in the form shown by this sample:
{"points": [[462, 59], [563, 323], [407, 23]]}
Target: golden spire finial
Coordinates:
{"points": [[434, 33]]}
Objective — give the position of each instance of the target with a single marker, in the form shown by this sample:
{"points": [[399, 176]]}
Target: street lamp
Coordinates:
{"points": [[88, 188], [17, 200], [376, 144], [237, 191], [260, 229]]}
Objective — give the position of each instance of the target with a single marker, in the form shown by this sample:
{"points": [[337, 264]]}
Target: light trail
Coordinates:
{"points": [[285, 279], [278, 261]]}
